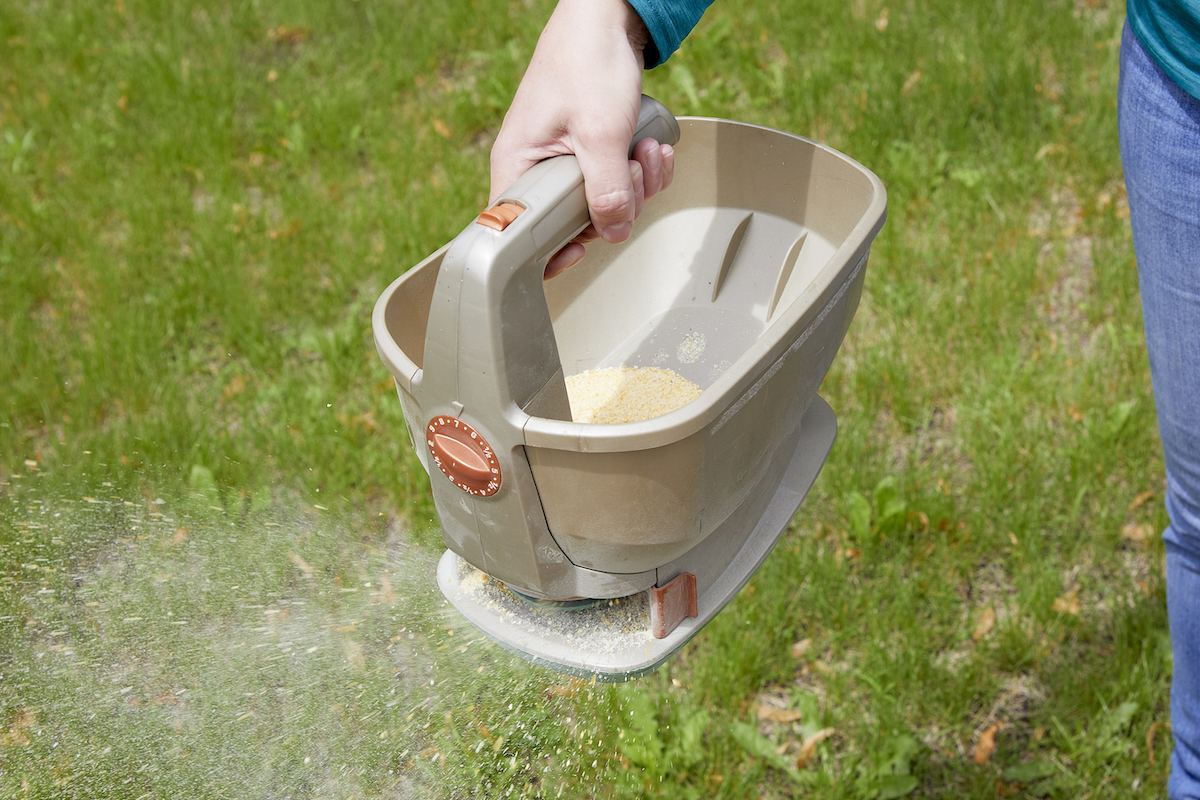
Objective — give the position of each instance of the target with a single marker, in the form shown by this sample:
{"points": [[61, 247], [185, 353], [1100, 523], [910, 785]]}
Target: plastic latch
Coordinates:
{"points": [[672, 604], [499, 217]]}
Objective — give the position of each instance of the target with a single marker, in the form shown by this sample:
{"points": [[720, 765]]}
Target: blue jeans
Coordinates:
{"points": [[1160, 150]]}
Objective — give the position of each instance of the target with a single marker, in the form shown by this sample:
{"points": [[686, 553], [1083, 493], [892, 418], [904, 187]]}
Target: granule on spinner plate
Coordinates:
{"points": [[627, 394], [615, 626]]}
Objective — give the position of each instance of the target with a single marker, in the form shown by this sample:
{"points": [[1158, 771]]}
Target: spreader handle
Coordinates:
{"points": [[552, 190], [491, 363]]}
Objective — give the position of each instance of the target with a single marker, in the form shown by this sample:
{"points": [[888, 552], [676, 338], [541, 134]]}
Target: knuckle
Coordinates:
{"points": [[614, 202]]}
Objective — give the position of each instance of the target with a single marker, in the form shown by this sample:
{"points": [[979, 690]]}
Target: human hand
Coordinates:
{"points": [[581, 96]]}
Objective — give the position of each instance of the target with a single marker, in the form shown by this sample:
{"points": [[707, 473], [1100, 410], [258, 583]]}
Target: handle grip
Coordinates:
{"points": [[654, 122], [551, 192]]}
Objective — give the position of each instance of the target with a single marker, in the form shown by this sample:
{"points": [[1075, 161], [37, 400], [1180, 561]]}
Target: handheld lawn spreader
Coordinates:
{"points": [[601, 549]]}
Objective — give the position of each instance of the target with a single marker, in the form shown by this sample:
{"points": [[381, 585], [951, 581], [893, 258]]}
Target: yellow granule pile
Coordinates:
{"points": [[627, 394]]}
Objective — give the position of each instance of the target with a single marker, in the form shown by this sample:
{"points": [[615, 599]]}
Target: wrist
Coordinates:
{"points": [[612, 14], [635, 27]]}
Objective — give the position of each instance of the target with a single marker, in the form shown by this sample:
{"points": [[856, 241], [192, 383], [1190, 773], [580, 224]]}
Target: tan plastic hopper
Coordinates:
{"points": [[742, 277]]}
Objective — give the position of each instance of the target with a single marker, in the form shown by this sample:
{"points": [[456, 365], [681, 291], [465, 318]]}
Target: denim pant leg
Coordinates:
{"points": [[1160, 151]]}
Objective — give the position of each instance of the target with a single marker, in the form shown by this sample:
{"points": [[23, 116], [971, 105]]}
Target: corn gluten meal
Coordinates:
{"points": [[627, 394]]}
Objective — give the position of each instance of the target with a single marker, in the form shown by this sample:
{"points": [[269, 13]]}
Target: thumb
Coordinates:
{"points": [[507, 164]]}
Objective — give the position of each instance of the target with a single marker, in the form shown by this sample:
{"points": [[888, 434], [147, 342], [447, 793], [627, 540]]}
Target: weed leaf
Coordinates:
{"points": [[808, 704], [1118, 418], [892, 777], [890, 510], [759, 746], [902, 751], [641, 743], [969, 178], [687, 746], [202, 481], [893, 786], [1028, 772], [860, 517], [1120, 717]]}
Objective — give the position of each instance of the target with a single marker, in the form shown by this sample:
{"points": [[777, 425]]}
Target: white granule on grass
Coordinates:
{"points": [[627, 394]]}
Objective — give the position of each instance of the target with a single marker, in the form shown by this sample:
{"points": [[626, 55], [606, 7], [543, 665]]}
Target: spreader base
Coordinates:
{"points": [[613, 642]]}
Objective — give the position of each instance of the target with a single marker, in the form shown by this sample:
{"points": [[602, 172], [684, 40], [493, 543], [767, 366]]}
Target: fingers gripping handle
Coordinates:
{"points": [[655, 122], [552, 191]]}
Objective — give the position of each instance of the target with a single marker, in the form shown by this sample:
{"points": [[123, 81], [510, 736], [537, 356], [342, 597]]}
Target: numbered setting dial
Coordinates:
{"points": [[463, 455]]}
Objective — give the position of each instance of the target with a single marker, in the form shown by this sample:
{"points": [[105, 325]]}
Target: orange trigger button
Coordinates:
{"points": [[498, 217]]}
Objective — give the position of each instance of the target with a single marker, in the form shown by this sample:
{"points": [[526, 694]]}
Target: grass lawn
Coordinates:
{"points": [[217, 548]]}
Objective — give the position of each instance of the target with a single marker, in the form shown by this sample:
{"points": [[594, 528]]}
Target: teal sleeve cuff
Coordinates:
{"points": [[1169, 30], [669, 22]]}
